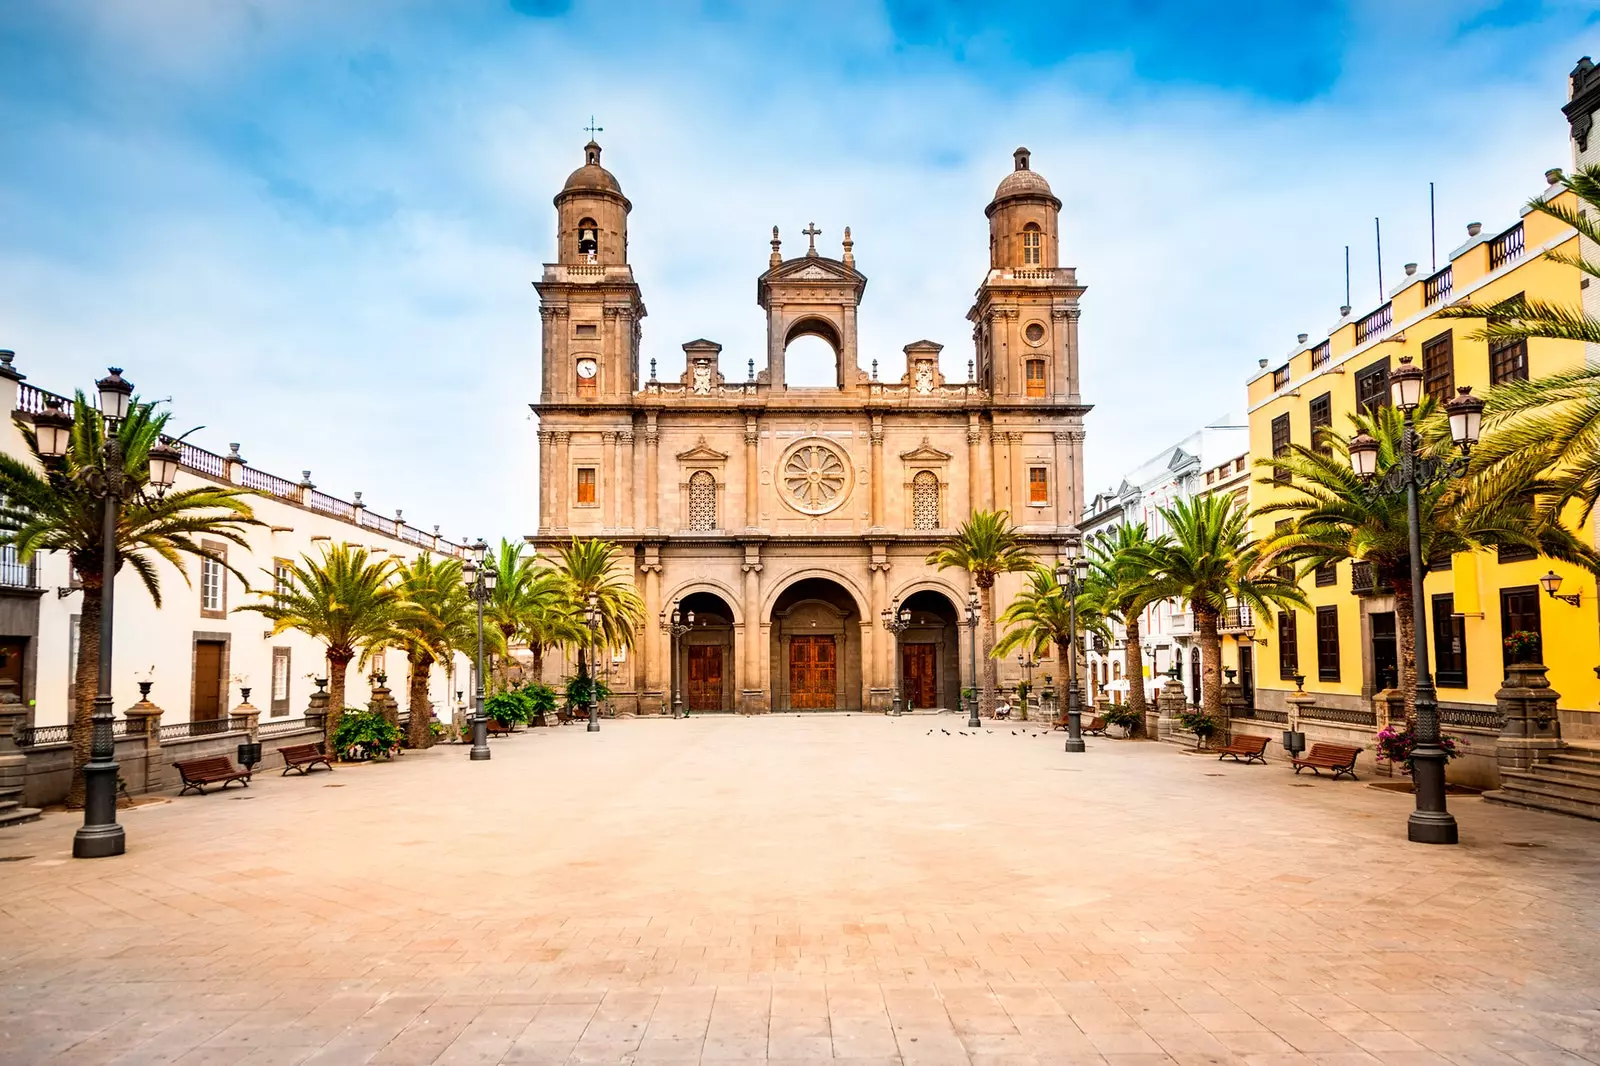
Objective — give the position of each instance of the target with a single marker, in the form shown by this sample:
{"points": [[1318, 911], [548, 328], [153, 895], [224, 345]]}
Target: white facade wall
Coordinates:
{"points": [[164, 638]]}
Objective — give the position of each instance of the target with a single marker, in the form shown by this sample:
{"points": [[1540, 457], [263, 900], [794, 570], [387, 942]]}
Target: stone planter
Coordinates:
{"points": [[1532, 729]]}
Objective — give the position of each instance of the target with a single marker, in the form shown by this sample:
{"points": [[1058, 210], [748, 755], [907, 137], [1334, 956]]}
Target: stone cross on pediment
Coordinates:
{"points": [[813, 233]]}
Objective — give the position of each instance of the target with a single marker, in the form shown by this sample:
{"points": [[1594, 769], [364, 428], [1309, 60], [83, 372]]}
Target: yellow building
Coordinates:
{"points": [[1345, 646]]}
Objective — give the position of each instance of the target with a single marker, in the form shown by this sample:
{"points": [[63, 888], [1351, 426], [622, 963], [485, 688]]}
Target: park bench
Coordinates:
{"points": [[303, 758], [498, 730], [1095, 727], [1245, 749], [214, 769], [1335, 758]]}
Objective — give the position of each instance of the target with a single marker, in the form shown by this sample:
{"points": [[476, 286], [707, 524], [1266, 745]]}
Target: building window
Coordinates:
{"points": [[1038, 486], [72, 660], [925, 500], [1508, 361], [1327, 574], [1328, 643], [1288, 647], [1514, 553], [586, 495], [213, 583], [1280, 446], [282, 581], [280, 682], [1449, 644], [586, 329], [1035, 377], [588, 238], [1372, 387], [1321, 421], [1439, 367], [1519, 613], [1032, 245], [702, 501]]}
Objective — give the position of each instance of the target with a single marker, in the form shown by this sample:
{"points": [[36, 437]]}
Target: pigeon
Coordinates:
{"points": [[946, 732], [930, 733], [1013, 732]]}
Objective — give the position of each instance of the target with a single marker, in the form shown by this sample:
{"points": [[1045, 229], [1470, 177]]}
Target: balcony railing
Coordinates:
{"points": [[31, 400], [1364, 581], [16, 574], [209, 463], [1321, 354], [1437, 288], [204, 728], [1372, 325], [1506, 247], [1237, 619], [271, 484], [1280, 377]]}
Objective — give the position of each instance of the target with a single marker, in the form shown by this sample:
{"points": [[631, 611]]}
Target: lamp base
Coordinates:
{"points": [[1432, 827], [99, 842]]}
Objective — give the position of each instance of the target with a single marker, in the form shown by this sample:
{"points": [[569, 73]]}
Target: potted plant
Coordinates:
{"points": [[1121, 714], [1201, 724], [1394, 747], [364, 735], [1522, 646]]}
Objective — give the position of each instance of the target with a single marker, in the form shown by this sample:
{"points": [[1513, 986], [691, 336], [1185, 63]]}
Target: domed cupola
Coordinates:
{"points": [[1023, 220], [592, 214]]}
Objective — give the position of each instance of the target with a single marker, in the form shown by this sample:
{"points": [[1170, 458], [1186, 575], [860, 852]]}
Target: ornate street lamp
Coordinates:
{"points": [[674, 629], [1027, 662], [111, 481], [974, 615], [1071, 572], [480, 583], [591, 615], [896, 620], [1431, 822]]}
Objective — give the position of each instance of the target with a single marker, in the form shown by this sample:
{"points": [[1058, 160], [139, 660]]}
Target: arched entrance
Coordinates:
{"points": [[930, 653], [816, 648], [705, 660]]}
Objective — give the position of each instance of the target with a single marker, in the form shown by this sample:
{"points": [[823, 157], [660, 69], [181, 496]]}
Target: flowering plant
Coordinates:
{"points": [[1521, 645], [1394, 746]]}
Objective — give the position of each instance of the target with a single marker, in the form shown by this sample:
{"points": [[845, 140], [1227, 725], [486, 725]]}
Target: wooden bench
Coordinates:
{"points": [[1335, 758], [498, 730], [1096, 727], [1245, 749], [215, 769], [302, 757]]}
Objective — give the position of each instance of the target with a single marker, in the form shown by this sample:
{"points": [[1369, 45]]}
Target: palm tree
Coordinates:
{"points": [[1333, 516], [55, 511], [1120, 569], [985, 546], [591, 570], [520, 583], [1037, 619], [438, 618], [346, 599], [1558, 416], [1210, 561]]}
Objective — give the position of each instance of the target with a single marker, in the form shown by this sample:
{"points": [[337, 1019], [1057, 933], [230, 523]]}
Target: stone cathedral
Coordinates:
{"points": [[787, 519]]}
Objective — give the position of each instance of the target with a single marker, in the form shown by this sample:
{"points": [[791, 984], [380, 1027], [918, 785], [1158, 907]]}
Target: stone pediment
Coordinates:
{"points": [[813, 268], [925, 453], [702, 453]]}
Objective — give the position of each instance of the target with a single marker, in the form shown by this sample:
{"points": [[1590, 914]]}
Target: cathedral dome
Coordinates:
{"points": [[591, 177], [1022, 181]]}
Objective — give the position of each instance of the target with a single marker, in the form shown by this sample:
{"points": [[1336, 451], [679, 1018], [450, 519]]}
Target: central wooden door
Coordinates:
{"points": [[208, 687], [813, 673], [705, 677], [919, 671]]}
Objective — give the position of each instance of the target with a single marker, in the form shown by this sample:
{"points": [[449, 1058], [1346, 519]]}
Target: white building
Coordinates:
{"points": [[1212, 459], [201, 649]]}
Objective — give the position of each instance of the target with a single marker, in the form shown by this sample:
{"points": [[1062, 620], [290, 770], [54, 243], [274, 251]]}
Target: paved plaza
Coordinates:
{"points": [[802, 890]]}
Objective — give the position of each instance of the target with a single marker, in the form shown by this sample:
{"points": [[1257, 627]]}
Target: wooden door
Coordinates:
{"points": [[813, 673], [919, 671], [208, 685], [1385, 656], [705, 677], [12, 650]]}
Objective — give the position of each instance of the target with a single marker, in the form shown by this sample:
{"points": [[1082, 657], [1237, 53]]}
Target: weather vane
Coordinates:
{"points": [[592, 129]]}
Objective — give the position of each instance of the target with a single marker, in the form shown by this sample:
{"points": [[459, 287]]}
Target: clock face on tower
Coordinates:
{"points": [[587, 368]]}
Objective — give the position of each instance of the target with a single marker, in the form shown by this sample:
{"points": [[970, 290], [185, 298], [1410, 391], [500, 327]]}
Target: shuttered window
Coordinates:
{"points": [[1439, 367], [1280, 445], [1372, 386], [1449, 644], [1328, 643], [1288, 646], [1038, 485], [1321, 409], [586, 485]]}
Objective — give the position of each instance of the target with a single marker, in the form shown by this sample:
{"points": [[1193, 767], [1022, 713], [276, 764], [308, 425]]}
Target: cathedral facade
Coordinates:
{"points": [[788, 520]]}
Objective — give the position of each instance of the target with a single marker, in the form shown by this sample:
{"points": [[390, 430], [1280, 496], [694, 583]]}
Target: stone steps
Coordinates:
{"points": [[1567, 783], [12, 812]]}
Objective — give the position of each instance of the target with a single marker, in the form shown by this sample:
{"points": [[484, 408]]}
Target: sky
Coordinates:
{"points": [[314, 227]]}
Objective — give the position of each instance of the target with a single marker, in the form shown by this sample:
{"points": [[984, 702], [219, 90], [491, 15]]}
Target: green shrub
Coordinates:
{"points": [[509, 708], [1199, 723], [541, 698], [1120, 714], [365, 735], [439, 729], [580, 688]]}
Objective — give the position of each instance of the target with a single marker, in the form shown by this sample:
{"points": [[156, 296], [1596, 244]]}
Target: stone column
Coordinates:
{"points": [[608, 479], [317, 707], [974, 469], [752, 473], [652, 473], [1074, 473], [13, 764], [1299, 703], [877, 474], [246, 716], [144, 719], [653, 643], [1170, 704], [1064, 489], [1532, 729], [559, 478], [988, 474], [882, 671], [1071, 375], [546, 480], [1232, 707], [625, 477], [1020, 511], [752, 697]]}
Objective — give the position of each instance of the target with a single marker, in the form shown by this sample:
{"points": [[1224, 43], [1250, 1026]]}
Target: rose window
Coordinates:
{"points": [[815, 477]]}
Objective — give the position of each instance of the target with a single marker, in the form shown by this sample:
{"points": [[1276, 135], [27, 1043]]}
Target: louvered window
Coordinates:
{"points": [[702, 501], [925, 500]]}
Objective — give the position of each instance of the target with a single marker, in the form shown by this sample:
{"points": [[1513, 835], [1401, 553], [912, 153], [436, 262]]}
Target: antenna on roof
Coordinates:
{"points": [[1347, 276], [1377, 229], [1433, 232]]}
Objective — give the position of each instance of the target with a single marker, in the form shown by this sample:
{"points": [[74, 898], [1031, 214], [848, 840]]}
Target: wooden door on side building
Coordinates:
{"points": [[705, 677], [813, 673], [209, 688], [919, 666]]}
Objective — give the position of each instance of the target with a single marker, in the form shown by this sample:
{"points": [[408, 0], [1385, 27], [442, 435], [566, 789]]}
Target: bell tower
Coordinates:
{"points": [[589, 304]]}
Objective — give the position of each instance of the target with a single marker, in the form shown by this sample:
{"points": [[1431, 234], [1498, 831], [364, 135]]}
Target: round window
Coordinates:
{"points": [[1034, 332], [815, 476]]}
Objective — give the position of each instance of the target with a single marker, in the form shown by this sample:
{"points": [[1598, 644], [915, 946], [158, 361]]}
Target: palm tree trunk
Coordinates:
{"points": [[536, 660], [86, 681], [991, 669], [420, 729], [1405, 623], [1205, 624], [338, 663], [1133, 668]]}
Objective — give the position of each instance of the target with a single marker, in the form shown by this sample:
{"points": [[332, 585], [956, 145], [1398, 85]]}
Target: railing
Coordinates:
{"points": [[1031, 275], [1340, 716], [34, 736], [271, 484], [203, 461], [14, 573], [413, 535], [1506, 247], [278, 726], [1321, 354], [1437, 287], [1261, 714], [207, 728], [1364, 581], [1236, 619], [32, 399], [319, 501], [1458, 716], [1371, 325], [1280, 377], [368, 520]]}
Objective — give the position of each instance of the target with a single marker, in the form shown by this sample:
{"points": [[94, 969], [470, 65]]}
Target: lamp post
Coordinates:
{"points": [[1027, 662], [1431, 822], [974, 615], [1070, 574], [480, 583], [591, 615], [675, 626], [896, 620], [110, 481]]}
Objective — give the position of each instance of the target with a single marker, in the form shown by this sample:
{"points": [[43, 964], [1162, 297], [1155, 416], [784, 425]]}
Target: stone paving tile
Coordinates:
{"points": [[802, 889]]}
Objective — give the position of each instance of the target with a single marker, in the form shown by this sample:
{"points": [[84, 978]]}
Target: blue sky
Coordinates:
{"points": [[314, 226]]}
